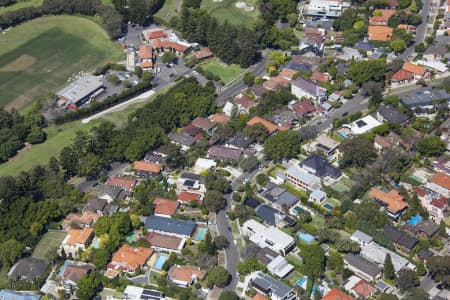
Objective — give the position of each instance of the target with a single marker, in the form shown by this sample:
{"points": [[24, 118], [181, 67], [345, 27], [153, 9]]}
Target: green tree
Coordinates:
{"points": [[257, 132], [283, 144], [168, 57], [442, 231], [431, 146], [262, 179], [217, 277], [10, 251], [228, 295], [407, 279], [367, 70], [384, 296], [439, 268], [398, 45], [388, 268], [335, 262], [221, 242], [314, 259], [100, 258], [249, 78], [214, 200], [416, 294], [89, 285], [357, 151], [248, 266]]}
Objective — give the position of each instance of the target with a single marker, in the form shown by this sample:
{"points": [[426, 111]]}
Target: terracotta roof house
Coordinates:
{"points": [[164, 207], [191, 130], [154, 34], [336, 294], [219, 118], [418, 71], [402, 76], [146, 169], [72, 275], [259, 296], [407, 27], [125, 183], [308, 89], [380, 33], [440, 183], [244, 103], [392, 200], [381, 18], [287, 74], [185, 275], [188, 197], [129, 258], [203, 53], [87, 219], [204, 124], [77, 239], [166, 243], [303, 108], [363, 289], [145, 52], [275, 83], [320, 77], [271, 128], [167, 45]]}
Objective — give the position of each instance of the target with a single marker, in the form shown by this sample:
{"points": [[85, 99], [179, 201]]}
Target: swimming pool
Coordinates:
{"points": [[95, 243], [328, 206], [343, 133], [306, 237], [63, 267], [201, 232], [299, 210], [131, 238], [160, 262], [302, 282], [414, 220]]}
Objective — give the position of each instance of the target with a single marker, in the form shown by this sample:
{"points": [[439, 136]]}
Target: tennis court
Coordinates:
{"points": [[49, 244]]}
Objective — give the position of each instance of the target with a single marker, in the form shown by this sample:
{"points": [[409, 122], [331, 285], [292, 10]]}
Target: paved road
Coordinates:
{"points": [[421, 30], [238, 86]]}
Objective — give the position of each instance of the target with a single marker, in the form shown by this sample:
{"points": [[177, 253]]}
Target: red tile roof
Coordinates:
{"points": [[439, 203], [220, 118], [147, 167], [187, 197], [203, 53], [130, 258], [303, 107], [203, 123], [363, 289], [160, 44], [415, 69], [164, 206], [321, 77], [155, 34], [336, 294], [145, 52], [442, 180], [125, 183], [401, 75], [271, 128], [380, 33], [147, 64], [287, 73], [186, 273], [420, 191], [244, 101], [394, 201]]}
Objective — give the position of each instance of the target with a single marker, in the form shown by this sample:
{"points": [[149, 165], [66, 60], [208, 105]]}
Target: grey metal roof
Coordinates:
{"points": [[267, 283], [400, 237], [80, 88], [425, 97], [287, 199], [183, 139], [309, 87], [392, 114], [170, 225], [359, 235], [321, 166], [362, 264], [241, 141], [272, 216]]}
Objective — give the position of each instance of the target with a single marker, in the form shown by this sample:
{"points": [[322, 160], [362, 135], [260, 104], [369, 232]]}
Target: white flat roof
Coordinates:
{"points": [[364, 125], [377, 254], [274, 234], [80, 88]]}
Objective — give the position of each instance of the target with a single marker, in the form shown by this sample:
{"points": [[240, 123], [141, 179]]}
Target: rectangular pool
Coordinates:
{"points": [[160, 262], [305, 237], [301, 282], [201, 232], [328, 206]]}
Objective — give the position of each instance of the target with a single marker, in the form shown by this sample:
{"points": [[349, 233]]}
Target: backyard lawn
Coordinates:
{"points": [[49, 244], [226, 10], [37, 57], [226, 72], [20, 4]]}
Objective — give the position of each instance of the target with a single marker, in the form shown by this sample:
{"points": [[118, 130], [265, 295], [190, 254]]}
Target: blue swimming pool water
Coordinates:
{"points": [[301, 281], [343, 134], [63, 267], [414, 220], [306, 237], [160, 262], [201, 232], [328, 206], [95, 244]]}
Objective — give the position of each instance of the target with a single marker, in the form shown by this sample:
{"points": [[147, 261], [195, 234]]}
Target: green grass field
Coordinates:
{"points": [[37, 57], [226, 72], [49, 244], [170, 9], [226, 10], [20, 4]]}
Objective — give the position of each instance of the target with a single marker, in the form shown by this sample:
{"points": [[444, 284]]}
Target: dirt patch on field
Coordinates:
{"points": [[22, 101], [21, 63]]}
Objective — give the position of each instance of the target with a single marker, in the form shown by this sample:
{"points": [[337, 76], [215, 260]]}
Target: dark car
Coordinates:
{"points": [[345, 114]]}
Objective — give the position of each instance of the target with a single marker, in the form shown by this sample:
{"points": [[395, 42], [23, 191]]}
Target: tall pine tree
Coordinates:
{"points": [[389, 272]]}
